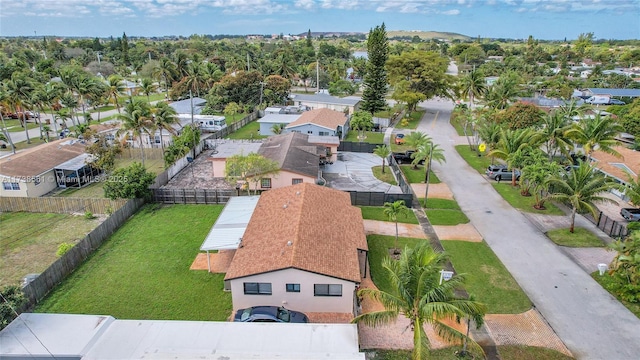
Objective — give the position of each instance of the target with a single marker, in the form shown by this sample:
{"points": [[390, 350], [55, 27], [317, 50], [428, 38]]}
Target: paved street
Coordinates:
{"points": [[587, 318]]}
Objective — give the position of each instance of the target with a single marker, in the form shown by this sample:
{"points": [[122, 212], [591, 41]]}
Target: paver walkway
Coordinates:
{"points": [[528, 328]]}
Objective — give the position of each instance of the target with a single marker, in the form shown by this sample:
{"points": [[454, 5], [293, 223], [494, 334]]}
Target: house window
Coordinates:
{"points": [[293, 287], [323, 133], [257, 288], [296, 181], [265, 183], [11, 186], [327, 290]]}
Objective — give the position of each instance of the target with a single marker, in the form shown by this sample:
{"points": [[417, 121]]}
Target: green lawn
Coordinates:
{"points": [[377, 213], [142, 271], [480, 163], [13, 125], [441, 204], [230, 119], [386, 177], [29, 241], [580, 238], [607, 282], [446, 217], [251, 131], [413, 120], [94, 190], [379, 246], [416, 176], [371, 137], [457, 121], [487, 278], [507, 352], [525, 203]]}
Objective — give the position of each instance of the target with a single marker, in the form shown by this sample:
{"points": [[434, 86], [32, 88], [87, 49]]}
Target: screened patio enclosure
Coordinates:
{"points": [[76, 173]]}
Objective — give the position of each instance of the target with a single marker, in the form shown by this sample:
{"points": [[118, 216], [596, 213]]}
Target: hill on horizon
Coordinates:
{"points": [[427, 35]]}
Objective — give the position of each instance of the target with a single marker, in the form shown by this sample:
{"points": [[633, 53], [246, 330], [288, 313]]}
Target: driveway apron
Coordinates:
{"points": [[587, 318]]}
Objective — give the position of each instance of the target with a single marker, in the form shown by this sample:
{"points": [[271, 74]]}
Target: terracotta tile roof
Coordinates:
{"points": [[293, 152], [326, 118], [322, 227], [42, 158], [630, 158]]}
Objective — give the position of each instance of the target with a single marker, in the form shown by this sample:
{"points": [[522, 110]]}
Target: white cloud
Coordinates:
{"points": [[304, 4], [451, 12]]}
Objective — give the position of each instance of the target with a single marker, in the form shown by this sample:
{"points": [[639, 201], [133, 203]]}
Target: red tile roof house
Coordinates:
{"points": [[305, 249]]}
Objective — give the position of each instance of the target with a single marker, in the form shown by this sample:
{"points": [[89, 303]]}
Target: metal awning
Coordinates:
{"points": [[228, 230], [76, 163]]}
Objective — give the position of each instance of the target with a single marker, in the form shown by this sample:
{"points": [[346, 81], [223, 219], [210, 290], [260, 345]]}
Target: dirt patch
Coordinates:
{"points": [[389, 228], [219, 261], [463, 232]]}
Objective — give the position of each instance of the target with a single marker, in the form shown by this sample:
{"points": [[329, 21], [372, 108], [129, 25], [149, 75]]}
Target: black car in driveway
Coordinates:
{"points": [[270, 314]]}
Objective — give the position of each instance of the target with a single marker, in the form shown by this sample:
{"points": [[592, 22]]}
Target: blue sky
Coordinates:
{"points": [[544, 19]]}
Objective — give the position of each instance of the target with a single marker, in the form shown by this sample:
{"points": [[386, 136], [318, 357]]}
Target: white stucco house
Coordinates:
{"points": [[304, 248], [320, 122], [348, 104]]}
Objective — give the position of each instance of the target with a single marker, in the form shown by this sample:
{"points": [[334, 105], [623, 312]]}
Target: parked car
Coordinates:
{"points": [[399, 139], [270, 314], [405, 157], [501, 172], [616, 102], [630, 214]]}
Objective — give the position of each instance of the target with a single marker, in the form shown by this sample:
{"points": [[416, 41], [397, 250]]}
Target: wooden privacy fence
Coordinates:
{"points": [[67, 263], [193, 196], [60, 205], [136, 154]]}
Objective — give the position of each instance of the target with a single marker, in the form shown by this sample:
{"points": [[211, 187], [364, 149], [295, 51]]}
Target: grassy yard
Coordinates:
{"points": [[370, 137], [525, 203], [142, 271], [579, 238], [416, 176], [29, 241], [457, 121], [386, 177], [508, 192], [487, 278], [412, 121], [507, 352], [379, 246], [444, 212], [377, 213], [606, 281], [434, 203], [251, 131]]}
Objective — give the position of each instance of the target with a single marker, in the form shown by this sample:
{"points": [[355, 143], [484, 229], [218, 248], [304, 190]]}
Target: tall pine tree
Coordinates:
{"points": [[375, 78]]}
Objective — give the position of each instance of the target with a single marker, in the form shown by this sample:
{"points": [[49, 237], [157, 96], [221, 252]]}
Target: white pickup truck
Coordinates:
{"points": [[630, 214]]}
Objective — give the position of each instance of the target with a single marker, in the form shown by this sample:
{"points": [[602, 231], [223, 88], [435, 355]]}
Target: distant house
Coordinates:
{"points": [[42, 169], [298, 157], [617, 93], [304, 248], [349, 104], [185, 106], [321, 122], [270, 119]]}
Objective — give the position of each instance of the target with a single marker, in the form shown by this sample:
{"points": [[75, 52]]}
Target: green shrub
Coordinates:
{"points": [[89, 215], [12, 303], [64, 248]]}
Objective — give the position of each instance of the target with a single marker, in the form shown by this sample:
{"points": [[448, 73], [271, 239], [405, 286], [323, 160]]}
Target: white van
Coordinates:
{"points": [[598, 100]]}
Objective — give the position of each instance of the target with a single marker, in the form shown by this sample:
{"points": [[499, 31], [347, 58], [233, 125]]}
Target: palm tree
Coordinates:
{"points": [[195, 77], [503, 92], [70, 102], [474, 85], [554, 134], [4, 99], [489, 132], [47, 130], [632, 190], [166, 70], [513, 142], [164, 116], [393, 210], [383, 151], [415, 139], [596, 134], [116, 87], [147, 86], [278, 128], [361, 121], [417, 293], [19, 90], [49, 95], [428, 151], [137, 120], [581, 189]]}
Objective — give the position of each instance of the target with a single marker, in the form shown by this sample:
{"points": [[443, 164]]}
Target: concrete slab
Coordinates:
{"points": [[353, 173]]}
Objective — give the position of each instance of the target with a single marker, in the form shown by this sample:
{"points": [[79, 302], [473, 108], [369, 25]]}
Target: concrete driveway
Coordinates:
{"points": [[353, 173], [587, 318]]}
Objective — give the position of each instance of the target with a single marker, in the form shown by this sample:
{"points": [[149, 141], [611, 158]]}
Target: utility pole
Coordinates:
{"points": [[193, 139], [317, 74], [248, 63], [261, 91]]}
